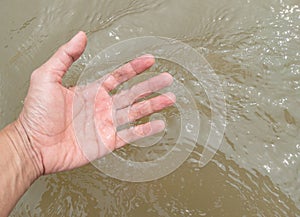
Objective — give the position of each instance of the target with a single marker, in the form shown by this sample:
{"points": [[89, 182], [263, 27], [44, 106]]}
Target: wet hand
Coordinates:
{"points": [[48, 114]]}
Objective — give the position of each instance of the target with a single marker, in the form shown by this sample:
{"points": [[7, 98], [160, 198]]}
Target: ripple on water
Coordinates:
{"points": [[253, 46]]}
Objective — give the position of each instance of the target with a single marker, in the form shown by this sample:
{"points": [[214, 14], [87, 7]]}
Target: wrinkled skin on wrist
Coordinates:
{"points": [[19, 165]]}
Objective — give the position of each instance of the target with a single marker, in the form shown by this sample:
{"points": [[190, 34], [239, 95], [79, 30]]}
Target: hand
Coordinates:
{"points": [[47, 116]]}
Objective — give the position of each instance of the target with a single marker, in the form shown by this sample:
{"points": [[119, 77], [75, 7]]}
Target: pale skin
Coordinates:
{"points": [[43, 140]]}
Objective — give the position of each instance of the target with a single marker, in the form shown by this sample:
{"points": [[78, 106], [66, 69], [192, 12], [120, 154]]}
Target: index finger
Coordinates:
{"points": [[128, 71]]}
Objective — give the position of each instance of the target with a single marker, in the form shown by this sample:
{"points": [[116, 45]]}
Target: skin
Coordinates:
{"points": [[43, 140]]}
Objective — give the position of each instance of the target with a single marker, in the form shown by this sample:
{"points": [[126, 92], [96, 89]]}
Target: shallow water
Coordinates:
{"points": [[253, 47]]}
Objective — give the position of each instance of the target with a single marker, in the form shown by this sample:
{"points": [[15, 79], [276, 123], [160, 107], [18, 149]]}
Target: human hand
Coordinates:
{"points": [[47, 116]]}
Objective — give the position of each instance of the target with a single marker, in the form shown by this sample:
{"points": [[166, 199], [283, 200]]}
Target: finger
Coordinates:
{"points": [[128, 71], [143, 89], [138, 132], [61, 61], [144, 108]]}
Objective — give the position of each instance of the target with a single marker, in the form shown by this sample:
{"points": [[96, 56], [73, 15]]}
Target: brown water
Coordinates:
{"points": [[254, 48]]}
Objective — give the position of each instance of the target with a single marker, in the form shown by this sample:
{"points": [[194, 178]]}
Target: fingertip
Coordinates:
{"points": [[168, 77], [158, 125], [77, 44], [149, 60], [148, 56], [82, 33], [143, 62], [171, 96]]}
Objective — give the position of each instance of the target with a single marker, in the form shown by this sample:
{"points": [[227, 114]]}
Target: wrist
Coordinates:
{"points": [[18, 165], [25, 156]]}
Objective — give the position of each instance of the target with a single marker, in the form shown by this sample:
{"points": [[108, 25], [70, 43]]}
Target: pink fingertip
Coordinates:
{"points": [[147, 56], [168, 77], [142, 63], [158, 125], [148, 60], [171, 96]]}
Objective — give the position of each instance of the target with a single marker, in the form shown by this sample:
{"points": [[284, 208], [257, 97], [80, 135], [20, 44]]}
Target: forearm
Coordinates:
{"points": [[17, 165]]}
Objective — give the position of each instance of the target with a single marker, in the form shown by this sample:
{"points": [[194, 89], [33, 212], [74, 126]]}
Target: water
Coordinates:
{"points": [[253, 47]]}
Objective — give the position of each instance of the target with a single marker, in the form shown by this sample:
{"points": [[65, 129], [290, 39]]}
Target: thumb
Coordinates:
{"points": [[64, 57]]}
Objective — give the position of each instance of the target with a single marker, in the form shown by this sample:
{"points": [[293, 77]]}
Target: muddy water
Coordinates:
{"points": [[255, 50]]}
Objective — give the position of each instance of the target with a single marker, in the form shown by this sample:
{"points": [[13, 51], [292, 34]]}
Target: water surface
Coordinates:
{"points": [[254, 48]]}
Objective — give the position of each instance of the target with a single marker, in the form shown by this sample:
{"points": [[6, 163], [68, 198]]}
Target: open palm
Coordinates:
{"points": [[68, 127]]}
